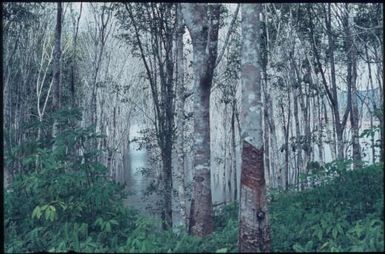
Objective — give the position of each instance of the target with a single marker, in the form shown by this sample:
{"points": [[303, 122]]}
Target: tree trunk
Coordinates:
{"points": [[266, 132], [320, 130], [233, 152], [266, 139], [286, 129], [380, 112], [56, 65], [332, 95], [352, 92], [180, 218], [273, 141], [254, 231], [74, 57], [298, 135], [161, 68], [202, 21], [374, 104]]}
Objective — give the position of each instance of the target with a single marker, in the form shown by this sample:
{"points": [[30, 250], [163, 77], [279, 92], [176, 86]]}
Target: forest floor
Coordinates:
{"points": [[343, 213]]}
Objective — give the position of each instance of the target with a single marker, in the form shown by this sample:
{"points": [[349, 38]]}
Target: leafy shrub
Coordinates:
{"points": [[148, 236], [64, 200], [344, 213]]}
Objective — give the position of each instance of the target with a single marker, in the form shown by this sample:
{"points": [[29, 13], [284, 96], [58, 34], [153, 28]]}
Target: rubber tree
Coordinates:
{"points": [[254, 231], [56, 64], [202, 21], [179, 198], [154, 42], [351, 53]]}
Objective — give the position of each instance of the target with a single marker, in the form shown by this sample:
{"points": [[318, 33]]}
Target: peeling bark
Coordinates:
{"points": [[254, 231]]}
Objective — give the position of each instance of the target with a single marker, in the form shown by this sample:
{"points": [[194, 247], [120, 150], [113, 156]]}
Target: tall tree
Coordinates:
{"points": [[351, 53], [76, 23], [56, 64], [202, 21], [180, 217], [330, 91], [153, 31], [254, 231]]}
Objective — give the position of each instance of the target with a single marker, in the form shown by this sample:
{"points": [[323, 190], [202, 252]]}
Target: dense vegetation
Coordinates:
{"points": [[342, 214], [64, 202], [255, 127]]}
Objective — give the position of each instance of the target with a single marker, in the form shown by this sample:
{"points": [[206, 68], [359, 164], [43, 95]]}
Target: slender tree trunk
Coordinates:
{"points": [[380, 112], [266, 138], [266, 124], [351, 80], [286, 131], [227, 188], [254, 230], [233, 152], [273, 141], [180, 217], [332, 94], [320, 131], [374, 104], [298, 135], [74, 58], [335, 104], [56, 65]]}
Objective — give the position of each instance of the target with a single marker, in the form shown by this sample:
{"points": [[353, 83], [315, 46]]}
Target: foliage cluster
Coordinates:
{"points": [[344, 212], [63, 200]]}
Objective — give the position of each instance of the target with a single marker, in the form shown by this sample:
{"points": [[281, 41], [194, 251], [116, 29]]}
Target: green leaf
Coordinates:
{"points": [[99, 221], [334, 233], [298, 248], [324, 246], [108, 226], [339, 229], [36, 212], [114, 222], [47, 214], [223, 250]]}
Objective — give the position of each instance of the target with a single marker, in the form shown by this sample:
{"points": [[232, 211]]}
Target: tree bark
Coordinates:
{"points": [[374, 104], [202, 21], [180, 217], [351, 53], [74, 60], [233, 153], [56, 65], [254, 231]]}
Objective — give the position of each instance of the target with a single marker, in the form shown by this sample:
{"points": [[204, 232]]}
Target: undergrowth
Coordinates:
{"points": [[65, 201], [343, 213]]}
